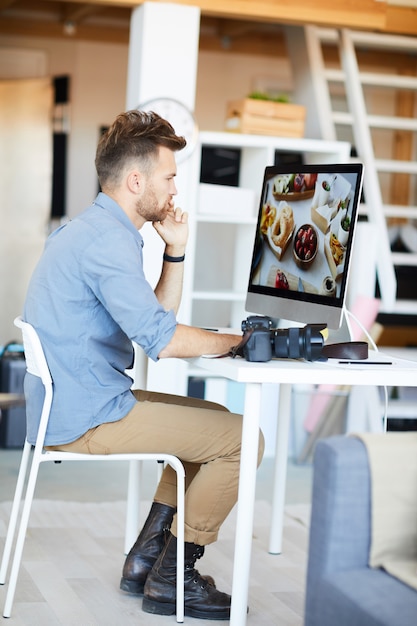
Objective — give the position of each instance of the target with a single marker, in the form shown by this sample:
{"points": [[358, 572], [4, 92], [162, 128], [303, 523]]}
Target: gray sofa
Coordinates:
{"points": [[342, 590]]}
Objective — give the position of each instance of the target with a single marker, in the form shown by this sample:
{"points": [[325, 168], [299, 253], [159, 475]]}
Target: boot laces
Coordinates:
{"points": [[189, 566], [199, 580], [198, 553]]}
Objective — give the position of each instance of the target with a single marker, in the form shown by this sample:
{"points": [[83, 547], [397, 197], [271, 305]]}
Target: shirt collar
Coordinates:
{"points": [[105, 202]]}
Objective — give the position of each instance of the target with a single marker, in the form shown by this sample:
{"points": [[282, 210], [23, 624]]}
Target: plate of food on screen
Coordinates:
{"points": [[282, 279], [335, 254], [294, 187], [277, 226]]}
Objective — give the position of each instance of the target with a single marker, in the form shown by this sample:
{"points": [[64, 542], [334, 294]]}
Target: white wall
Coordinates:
{"points": [[226, 76], [98, 75], [25, 188], [97, 92], [98, 95]]}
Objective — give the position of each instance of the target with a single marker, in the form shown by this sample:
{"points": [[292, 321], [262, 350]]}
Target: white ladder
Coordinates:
{"points": [[331, 123]]}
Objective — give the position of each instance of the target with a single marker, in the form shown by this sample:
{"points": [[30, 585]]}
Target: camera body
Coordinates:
{"points": [[265, 342]]}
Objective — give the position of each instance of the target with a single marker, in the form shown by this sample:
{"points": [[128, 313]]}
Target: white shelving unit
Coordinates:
{"points": [[221, 241], [220, 246]]}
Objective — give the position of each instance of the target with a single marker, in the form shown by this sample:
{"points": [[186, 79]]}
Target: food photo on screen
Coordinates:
{"points": [[303, 231]]}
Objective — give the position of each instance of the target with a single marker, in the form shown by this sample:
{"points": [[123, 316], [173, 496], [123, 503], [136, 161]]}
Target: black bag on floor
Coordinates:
{"points": [[12, 374]]}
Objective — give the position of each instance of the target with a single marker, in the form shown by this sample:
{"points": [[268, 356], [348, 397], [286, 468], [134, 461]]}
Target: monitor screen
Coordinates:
{"points": [[303, 242]]}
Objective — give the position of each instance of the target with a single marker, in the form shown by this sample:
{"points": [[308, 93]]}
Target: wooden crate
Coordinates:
{"points": [[263, 117]]}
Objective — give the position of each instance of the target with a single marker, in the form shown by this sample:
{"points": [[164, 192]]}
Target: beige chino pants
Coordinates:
{"points": [[204, 435]]}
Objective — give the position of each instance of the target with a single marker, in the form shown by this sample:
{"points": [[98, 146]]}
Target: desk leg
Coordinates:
{"points": [[245, 504], [280, 470]]}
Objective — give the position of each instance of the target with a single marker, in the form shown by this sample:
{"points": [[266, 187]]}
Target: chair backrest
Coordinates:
{"points": [[34, 355], [37, 365]]}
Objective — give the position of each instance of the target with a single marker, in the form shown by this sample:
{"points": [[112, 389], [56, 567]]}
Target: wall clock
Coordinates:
{"points": [[181, 118]]}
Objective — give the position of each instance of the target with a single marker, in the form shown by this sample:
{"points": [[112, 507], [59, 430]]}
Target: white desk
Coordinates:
{"points": [[283, 372]]}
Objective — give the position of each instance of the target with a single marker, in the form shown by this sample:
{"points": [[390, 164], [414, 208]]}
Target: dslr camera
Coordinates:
{"points": [[263, 342]]}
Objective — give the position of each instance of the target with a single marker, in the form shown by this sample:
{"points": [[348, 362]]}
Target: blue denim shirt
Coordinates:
{"points": [[88, 299]]}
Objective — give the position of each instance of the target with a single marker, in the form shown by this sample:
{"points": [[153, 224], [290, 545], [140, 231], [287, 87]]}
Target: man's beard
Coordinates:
{"points": [[149, 208]]}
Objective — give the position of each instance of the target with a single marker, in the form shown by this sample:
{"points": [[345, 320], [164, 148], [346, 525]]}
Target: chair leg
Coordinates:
{"points": [[14, 512], [21, 536], [161, 465], [179, 468], [133, 504], [131, 524]]}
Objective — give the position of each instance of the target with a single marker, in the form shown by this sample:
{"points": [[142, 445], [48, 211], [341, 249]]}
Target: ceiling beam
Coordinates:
{"points": [[402, 20], [76, 13], [5, 4], [57, 30], [335, 12], [236, 25], [356, 14]]}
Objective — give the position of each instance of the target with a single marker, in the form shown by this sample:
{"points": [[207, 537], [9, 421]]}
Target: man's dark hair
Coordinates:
{"points": [[133, 136]]}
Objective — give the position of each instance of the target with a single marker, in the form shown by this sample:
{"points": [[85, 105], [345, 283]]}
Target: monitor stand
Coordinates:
{"points": [[344, 333]]}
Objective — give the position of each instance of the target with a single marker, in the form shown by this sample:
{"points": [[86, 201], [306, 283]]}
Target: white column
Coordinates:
{"points": [[163, 53], [163, 59]]}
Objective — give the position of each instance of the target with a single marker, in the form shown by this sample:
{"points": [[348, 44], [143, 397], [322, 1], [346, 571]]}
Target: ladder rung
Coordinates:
{"points": [[401, 408], [393, 210], [326, 35], [369, 40], [383, 41], [404, 258], [341, 117], [392, 81], [392, 123], [335, 75], [402, 307], [378, 121], [394, 165]]}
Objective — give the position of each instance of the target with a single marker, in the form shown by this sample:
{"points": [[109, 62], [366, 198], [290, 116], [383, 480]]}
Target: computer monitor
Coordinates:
{"points": [[303, 242]]}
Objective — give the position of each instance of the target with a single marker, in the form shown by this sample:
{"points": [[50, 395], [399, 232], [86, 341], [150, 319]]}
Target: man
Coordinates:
{"points": [[89, 299]]}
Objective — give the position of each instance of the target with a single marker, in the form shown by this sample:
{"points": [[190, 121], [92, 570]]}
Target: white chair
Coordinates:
{"points": [[36, 364]]}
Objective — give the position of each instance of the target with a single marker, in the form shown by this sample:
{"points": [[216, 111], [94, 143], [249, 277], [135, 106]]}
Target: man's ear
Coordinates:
{"points": [[135, 181]]}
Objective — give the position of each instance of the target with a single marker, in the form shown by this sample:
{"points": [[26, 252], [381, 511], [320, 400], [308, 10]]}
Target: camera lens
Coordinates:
{"points": [[287, 343], [298, 343], [313, 343]]}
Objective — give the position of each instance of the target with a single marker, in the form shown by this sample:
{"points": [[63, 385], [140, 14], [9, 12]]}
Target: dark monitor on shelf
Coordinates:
{"points": [[304, 242]]}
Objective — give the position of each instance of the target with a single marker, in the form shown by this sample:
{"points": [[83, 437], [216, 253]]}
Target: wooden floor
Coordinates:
{"points": [[73, 559], [73, 554]]}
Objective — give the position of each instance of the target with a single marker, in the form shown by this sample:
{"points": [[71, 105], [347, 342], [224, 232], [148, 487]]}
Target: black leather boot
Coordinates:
{"points": [[147, 548], [201, 598]]}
